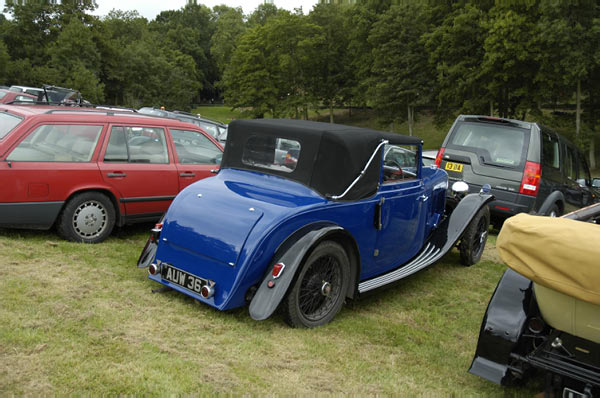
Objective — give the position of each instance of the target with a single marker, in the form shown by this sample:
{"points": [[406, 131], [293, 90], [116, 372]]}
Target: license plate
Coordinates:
{"points": [[182, 278], [454, 167]]}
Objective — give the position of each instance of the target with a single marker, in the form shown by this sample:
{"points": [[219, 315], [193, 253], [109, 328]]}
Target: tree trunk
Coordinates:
{"points": [[578, 111], [331, 112], [593, 153], [491, 108], [411, 113], [306, 112]]}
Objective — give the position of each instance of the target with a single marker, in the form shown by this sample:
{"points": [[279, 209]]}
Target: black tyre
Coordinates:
{"points": [[473, 240], [88, 217], [318, 292]]}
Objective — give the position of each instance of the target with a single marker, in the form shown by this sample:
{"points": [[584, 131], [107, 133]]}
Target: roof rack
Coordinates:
{"points": [[108, 112], [198, 116]]}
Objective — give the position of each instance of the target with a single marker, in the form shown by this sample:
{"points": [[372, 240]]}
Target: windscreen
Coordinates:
{"points": [[494, 144], [7, 123]]}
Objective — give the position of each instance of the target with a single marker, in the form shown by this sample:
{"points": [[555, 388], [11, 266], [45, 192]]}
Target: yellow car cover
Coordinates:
{"points": [[557, 253]]}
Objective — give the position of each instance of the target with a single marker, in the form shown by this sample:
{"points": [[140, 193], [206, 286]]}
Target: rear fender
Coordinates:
{"points": [[291, 253], [502, 327], [554, 197]]}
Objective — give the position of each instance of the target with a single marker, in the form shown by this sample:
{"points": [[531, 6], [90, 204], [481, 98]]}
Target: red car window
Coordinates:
{"points": [[193, 147], [137, 145], [58, 143]]}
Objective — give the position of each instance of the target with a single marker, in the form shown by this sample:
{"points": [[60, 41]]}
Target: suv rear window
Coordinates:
{"points": [[495, 145], [7, 123]]}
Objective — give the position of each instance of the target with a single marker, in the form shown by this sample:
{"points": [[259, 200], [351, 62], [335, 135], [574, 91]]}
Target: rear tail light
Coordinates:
{"points": [[154, 269], [438, 157], [207, 291], [155, 232], [278, 270], [531, 179]]}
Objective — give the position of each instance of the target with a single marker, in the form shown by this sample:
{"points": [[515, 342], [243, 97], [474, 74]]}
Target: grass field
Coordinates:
{"points": [[83, 319]]}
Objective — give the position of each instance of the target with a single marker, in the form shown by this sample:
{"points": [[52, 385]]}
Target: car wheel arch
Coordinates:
{"points": [[107, 192], [297, 247]]}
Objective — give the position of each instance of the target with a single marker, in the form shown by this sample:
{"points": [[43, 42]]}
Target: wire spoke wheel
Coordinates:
{"points": [[320, 288], [474, 238], [318, 292]]}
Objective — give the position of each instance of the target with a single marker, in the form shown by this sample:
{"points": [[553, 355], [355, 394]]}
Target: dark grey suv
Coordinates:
{"points": [[530, 167]]}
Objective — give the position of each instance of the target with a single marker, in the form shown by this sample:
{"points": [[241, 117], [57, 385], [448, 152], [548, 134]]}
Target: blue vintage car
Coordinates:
{"points": [[339, 214]]}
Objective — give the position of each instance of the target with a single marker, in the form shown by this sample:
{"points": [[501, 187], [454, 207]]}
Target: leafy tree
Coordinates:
{"points": [[270, 69], [262, 14], [113, 35], [568, 41], [189, 30], [401, 78], [456, 52], [510, 65], [4, 62], [248, 82], [230, 26], [332, 73]]}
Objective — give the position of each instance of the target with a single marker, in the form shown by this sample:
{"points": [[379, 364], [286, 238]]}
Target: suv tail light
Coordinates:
{"points": [[531, 179], [438, 157]]}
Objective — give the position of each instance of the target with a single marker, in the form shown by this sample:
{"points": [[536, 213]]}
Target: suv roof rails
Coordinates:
{"points": [[197, 116], [108, 112]]}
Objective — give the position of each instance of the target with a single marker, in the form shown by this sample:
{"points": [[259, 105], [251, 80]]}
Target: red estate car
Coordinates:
{"points": [[85, 169], [7, 96]]}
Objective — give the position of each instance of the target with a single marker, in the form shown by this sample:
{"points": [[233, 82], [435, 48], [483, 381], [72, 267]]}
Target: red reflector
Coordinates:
{"points": [[158, 226], [531, 179], [278, 270], [502, 208], [438, 157]]}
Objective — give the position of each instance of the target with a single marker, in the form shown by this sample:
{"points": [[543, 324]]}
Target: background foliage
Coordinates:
{"points": [[520, 59]]}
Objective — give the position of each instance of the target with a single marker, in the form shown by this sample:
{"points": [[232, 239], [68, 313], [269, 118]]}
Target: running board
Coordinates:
{"points": [[439, 243]]}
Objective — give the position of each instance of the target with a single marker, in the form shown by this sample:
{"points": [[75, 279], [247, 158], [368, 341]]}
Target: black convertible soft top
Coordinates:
{"points": [[332, 155]]}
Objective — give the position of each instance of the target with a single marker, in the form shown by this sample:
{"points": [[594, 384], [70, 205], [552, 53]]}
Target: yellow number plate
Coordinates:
{"points": [[454, 167]]}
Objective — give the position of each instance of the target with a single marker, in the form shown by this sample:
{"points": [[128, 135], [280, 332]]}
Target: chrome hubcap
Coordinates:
{"points": [[326, 289], [89, 219]]}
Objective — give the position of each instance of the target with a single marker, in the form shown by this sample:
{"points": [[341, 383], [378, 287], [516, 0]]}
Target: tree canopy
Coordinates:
{"points": [[509, 59]]}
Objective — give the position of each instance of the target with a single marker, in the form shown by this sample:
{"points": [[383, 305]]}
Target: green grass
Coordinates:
{"points": [[83, 319]]}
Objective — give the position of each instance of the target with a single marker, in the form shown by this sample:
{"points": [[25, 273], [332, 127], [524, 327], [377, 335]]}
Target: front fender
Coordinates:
{"points": [[502, 327], [290, 253]]}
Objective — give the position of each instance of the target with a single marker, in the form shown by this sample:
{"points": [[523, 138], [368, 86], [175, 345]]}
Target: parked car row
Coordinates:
{"points": [[85, 170], [217, 129], [530, 167]]}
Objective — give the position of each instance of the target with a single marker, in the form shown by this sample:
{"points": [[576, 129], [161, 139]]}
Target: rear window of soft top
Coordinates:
{"points": [[7, 123], [494, 144]]}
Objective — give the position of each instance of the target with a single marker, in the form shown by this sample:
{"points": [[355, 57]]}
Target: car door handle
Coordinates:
{"points": [[116, 175], [187, 175], [423, 198]]}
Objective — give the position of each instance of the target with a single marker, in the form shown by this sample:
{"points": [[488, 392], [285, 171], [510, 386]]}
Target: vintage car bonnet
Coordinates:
{"points": [[557, 253], [331, 156]]}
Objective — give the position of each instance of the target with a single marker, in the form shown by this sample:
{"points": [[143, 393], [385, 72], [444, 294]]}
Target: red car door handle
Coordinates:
{"points": [[115, 175], [187, 175]]}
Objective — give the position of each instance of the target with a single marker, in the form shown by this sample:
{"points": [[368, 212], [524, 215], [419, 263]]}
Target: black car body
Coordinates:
{"points": [[549, 321], [530, 167]]}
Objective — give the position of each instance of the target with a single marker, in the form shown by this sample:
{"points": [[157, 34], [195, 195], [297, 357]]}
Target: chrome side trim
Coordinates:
{"points": [[335, 197], [427, 256]]}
